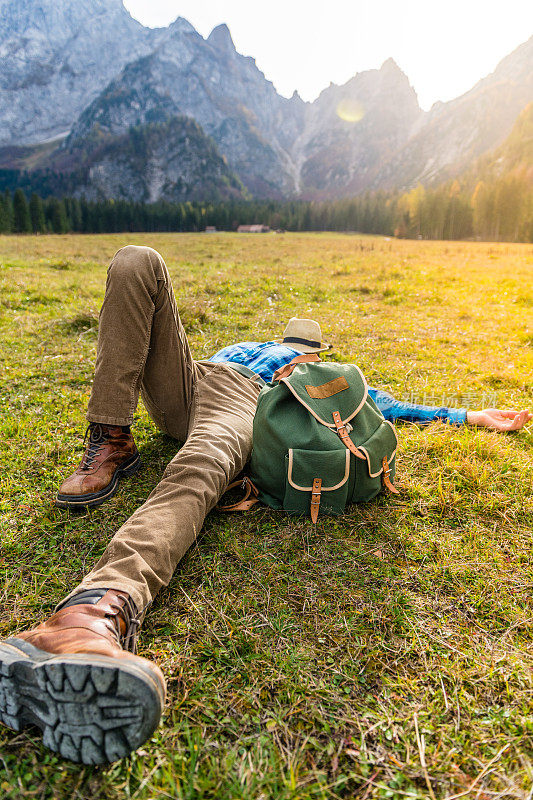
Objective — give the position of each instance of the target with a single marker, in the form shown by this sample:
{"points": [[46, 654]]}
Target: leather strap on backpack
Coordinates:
{"points": [[385, 476], [284, 372], [315, 499], [343, 434], [251, 496]]}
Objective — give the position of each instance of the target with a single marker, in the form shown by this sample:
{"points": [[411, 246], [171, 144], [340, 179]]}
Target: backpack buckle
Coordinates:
{"points": [[342, 430]]}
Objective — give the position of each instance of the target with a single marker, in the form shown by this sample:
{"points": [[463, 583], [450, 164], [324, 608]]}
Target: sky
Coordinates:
{"points": [[443, 47]]}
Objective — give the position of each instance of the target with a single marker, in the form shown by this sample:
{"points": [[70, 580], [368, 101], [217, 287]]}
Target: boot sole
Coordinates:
{"points": [[81, 501], [90, 709]]}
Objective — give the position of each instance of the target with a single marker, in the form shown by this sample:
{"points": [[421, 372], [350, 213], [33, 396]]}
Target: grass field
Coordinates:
{"points": [[383, 654]]}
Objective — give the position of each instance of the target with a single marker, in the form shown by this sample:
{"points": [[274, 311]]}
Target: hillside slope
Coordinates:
{"points": [[172, 160], [223, 91], [454, 134], [55, 56]]}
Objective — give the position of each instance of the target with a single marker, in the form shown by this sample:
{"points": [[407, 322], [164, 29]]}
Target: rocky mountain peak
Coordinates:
{"points": [[55, 16], [455, 133], [517, 63], [220, 37], [55, 56], [390, 65], [88, 69], [296, 101], [181, 25]]}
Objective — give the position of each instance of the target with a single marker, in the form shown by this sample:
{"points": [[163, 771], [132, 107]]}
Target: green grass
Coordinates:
{"points": [[383, 654]]}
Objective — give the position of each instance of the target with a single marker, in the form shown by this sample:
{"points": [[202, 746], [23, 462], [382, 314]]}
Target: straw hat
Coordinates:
{"points": [[304, 335]]}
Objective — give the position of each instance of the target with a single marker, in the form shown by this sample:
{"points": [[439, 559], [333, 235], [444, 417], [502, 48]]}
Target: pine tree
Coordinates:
{"points": [[75, 215], [37, 214], [58, 216], [8, 205], [21, 213], [5, 226]]}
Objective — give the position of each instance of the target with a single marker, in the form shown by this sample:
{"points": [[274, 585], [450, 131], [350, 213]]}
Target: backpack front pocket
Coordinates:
{"points": [[368, 474], [303, 467]]}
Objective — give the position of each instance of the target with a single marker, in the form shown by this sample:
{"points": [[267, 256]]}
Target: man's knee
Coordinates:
{"points": [[210, 467], [133, 261]]}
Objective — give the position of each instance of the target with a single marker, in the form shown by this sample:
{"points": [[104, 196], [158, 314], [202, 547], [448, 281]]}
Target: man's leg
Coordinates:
{"points": [[76, 675], [142, 348], [73, 675], [143, 554]]}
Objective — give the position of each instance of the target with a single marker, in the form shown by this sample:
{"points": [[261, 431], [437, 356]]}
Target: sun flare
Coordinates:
{"points": [[350, 110]]}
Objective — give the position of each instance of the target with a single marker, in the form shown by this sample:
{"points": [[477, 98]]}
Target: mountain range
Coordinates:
{"points": [[94, 103]]}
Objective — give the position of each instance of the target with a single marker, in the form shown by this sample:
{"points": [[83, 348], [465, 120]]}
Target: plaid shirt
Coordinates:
{"points": [[265, 358]]}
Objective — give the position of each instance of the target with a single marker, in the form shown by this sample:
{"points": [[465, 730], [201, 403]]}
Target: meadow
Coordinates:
{"points": [[386, 653]]}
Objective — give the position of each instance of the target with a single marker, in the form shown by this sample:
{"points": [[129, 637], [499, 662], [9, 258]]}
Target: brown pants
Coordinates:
{"points": [[143, 348]]}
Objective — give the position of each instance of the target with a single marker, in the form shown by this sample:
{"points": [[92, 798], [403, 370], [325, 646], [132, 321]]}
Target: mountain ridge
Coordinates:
{"points": [[55, 55], [457, 132], [87, 71]]}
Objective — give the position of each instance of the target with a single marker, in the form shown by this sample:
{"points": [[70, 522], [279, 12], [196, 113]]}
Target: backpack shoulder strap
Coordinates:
{"points": [[284, 372], [251, 496]]}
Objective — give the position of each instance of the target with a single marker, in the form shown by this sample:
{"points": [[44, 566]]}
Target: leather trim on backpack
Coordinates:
{"points": [[328, 389], [344, 437], [385, 477], [315, 499], [376, 474], [288, 369], [250, 496]]}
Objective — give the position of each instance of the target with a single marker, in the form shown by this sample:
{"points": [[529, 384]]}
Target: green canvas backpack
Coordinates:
{"points": [[319, 441]]}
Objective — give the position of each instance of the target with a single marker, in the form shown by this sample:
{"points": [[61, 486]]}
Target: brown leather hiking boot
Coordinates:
{"points": [[110, 454], [77, 678]]}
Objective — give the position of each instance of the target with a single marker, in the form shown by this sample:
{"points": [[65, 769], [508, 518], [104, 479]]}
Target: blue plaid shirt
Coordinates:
{"points": [[265, 358]]}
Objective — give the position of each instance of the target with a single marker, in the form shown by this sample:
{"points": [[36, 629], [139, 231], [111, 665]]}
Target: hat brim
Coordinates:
{"points": [[304, 348]]}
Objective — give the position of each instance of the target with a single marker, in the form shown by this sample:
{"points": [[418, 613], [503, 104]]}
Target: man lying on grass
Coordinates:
{"points": [[76, 675]]}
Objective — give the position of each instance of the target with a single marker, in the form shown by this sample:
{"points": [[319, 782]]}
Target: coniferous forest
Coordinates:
{"points": [[497, 209]]}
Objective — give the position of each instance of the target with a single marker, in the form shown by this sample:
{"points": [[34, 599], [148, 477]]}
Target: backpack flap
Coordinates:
{"points": [[328, 387], [304, 468]]}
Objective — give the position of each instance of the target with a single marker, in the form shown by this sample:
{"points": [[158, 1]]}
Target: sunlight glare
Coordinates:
{"points": [[350, 110]]}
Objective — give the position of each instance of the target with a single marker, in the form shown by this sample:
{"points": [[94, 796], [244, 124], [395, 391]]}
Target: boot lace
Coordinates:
{"points": [[133, 623], [97, 439], [127, 610]]}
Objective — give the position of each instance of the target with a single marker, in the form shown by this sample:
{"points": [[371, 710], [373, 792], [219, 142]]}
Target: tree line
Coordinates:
{"points": [[499, 209]]}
